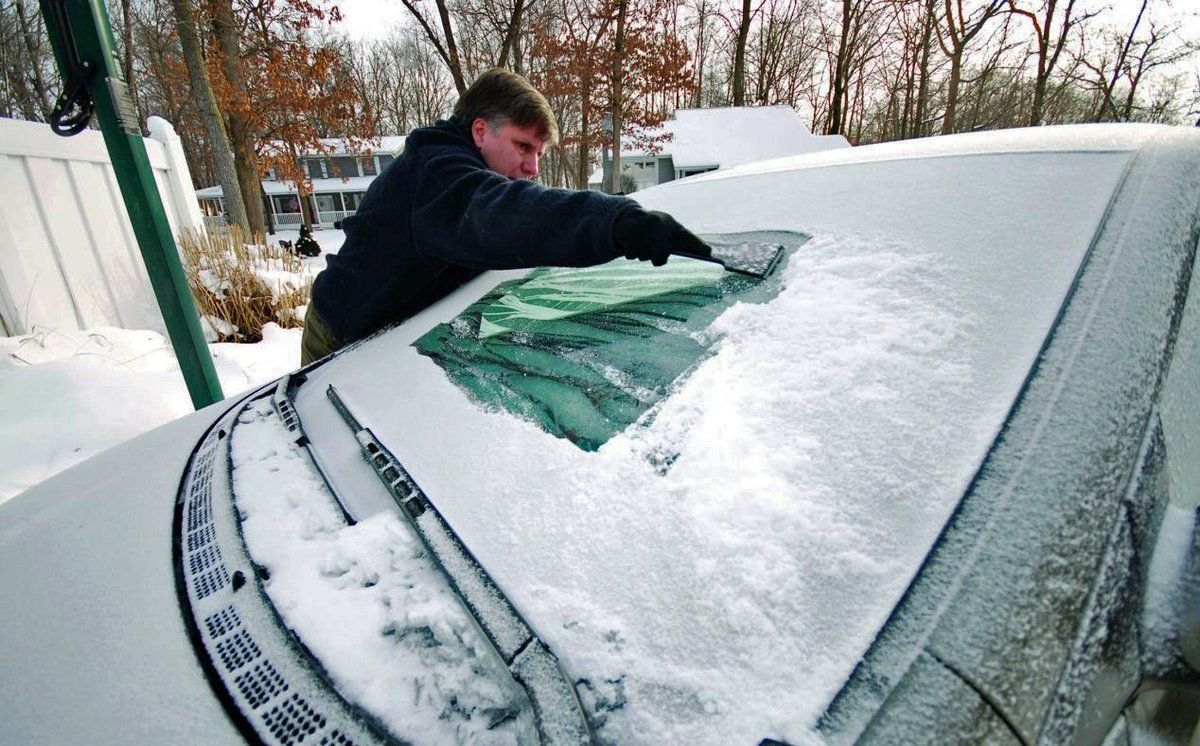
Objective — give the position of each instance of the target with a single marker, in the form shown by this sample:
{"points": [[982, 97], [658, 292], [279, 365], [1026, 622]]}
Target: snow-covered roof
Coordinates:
{"points": [[339, 146], [382, 145], [319, 186], [730, 136]]}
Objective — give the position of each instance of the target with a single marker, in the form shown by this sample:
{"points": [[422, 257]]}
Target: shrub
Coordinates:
{"points": [[306, 245], [240, 284]]}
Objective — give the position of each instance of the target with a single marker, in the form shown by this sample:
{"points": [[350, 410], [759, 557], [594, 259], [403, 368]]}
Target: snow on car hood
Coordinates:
{"points": [[820, 448]]}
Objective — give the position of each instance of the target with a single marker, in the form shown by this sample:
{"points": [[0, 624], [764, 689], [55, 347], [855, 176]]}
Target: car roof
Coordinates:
{"points": [[1061, 138]]}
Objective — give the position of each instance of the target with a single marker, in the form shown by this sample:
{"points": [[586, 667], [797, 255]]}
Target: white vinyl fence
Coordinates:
{"points": [[68, 258]]}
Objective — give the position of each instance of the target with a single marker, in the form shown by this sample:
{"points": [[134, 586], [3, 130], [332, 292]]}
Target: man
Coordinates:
{"points": [[460, 200]]}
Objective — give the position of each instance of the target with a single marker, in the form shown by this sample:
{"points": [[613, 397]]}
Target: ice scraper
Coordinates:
{"points": [[746, 257]]}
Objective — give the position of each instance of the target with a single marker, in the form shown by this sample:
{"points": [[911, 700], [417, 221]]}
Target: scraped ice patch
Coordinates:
{"points": [[368, 601]]}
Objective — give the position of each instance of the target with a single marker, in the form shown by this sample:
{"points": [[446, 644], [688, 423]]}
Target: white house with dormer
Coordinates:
{"points": [[711, 139], [339, 180]]}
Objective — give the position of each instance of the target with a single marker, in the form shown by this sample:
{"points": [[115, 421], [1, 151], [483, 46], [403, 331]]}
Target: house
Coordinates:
{"points": [[710, 139], [339, 180]]}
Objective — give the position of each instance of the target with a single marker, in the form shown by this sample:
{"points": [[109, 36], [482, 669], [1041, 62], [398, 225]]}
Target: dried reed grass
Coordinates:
{"points": [[244, 282]]}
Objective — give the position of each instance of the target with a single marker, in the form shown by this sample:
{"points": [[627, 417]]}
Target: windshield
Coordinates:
{"points": [[711, 554]]}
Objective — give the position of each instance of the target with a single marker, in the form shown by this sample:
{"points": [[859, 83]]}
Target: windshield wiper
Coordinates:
{"points": [[556, 710]]}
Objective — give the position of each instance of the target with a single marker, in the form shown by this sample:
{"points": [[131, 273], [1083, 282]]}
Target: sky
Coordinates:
{"points": [[371, 19]]}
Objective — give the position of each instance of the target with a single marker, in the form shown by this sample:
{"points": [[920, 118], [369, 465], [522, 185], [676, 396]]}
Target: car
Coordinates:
{"points": [[934, 478]]}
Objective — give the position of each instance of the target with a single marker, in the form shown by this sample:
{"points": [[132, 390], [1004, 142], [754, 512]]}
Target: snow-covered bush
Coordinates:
{"points": [[240, 284]]}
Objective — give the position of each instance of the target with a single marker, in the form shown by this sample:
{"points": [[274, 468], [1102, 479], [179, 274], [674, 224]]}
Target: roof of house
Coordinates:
{"points": [[338, 146], [382, 145], [732, 135], [319, 186]]}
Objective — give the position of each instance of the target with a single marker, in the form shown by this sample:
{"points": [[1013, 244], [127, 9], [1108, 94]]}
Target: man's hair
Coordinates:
{"points": [[499, 96]]}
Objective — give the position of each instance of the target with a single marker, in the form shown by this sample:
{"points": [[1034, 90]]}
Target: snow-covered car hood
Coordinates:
{"points": [[93, 645]]}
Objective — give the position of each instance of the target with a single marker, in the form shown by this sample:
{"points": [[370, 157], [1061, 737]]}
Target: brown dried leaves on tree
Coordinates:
{"points": [[574, 56]]}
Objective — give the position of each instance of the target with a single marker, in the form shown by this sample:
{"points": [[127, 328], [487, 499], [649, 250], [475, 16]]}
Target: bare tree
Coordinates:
{"points": [[955, 30], [904, 72], [206, 103], [442, 38], [163, 87], [1053, 22], [26, 64], [858, 40], [703, 14], [985, 82], [616, 82], [400, 81], [227, 32], [739, 55], [783, 53], [1118, 63]]}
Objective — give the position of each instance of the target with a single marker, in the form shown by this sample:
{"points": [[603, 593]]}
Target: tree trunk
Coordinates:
{"points": [[618, 74], [739, 57], [918, 128], [581, 167], [840, 72], [206, 103], [451, 48], [952, 92], [241, 135], [268, 213], [700, 54], [1039, 90], [512, 39], [307, 208], [127, 63]]}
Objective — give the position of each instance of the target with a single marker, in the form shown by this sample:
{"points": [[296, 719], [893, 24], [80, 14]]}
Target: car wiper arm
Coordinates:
{"points": [[557, 713]]}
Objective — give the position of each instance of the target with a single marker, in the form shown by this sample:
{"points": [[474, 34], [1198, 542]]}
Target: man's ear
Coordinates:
{"points": [[478, 127]]}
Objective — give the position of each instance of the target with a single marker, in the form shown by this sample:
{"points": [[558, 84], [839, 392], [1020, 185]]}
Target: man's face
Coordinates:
{"points": [[510, 150]]}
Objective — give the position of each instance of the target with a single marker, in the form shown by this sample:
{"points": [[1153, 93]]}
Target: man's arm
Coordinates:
{"points": [[466, 214]]}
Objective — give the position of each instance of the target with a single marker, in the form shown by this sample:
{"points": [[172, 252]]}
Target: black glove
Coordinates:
{"points": [[652, 236]]}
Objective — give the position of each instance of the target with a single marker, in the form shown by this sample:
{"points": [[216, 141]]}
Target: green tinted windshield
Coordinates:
{"points": [[586, 352]]}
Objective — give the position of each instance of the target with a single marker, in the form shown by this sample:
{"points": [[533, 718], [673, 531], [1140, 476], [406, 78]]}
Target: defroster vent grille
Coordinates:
{"points": [[274, 688]]}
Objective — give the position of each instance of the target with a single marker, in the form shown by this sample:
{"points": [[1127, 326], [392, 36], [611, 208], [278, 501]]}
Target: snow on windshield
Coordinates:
{"points": [[812, 458], [818, 449], [368, 601]]}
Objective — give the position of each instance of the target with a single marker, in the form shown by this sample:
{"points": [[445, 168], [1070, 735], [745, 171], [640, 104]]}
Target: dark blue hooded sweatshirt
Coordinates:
{"points": [[436, 217]]}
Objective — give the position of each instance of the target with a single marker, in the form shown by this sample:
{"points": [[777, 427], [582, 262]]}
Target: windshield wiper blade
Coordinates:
{"points": [[556, 709]]}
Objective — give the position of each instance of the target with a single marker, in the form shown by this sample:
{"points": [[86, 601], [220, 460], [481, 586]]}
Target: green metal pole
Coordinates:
{"points": [[88, 41]]}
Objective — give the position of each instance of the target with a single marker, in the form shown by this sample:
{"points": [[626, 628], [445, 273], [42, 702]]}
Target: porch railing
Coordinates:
{"points": [[215, 223], [332, 216], [323, 218]]}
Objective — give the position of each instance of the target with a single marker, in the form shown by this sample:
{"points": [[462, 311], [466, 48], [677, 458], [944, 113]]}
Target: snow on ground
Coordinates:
{"points": [[68, 395]]}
